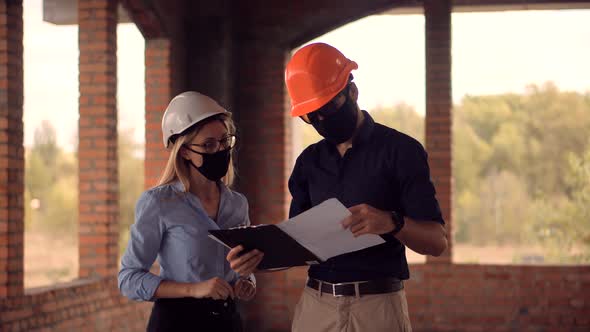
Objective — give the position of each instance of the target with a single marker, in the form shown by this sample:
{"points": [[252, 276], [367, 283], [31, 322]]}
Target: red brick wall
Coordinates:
{"points": [[165, 76], [158, 93], [438, 107], [452, 297], [84, 305], [97, 150], [11, 149]]}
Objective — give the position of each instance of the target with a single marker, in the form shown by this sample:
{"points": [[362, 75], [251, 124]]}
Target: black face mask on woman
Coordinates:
{"points": [[338, 124], [215, 165]]}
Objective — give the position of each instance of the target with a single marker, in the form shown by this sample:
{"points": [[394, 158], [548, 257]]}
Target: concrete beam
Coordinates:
{"points": [[472, 6], [65, 12]]}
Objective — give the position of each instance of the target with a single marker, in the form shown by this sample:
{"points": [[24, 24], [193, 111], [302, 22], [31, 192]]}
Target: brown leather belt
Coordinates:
{"points": [[380, 286]]}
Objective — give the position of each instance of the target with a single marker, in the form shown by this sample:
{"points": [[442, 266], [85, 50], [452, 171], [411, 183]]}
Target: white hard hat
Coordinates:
{"points": [[185, 110]]}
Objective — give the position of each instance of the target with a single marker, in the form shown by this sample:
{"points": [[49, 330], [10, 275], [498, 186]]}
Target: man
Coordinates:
{"points": [[381, 175]]}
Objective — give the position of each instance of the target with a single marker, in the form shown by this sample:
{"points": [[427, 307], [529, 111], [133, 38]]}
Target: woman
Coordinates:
{"points": [[196, 286]]}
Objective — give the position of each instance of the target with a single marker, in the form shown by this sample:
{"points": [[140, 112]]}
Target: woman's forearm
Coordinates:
{"points": [[172, 289]]}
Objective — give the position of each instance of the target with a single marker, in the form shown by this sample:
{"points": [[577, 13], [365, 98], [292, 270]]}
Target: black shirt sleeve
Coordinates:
{"points": [[298, 187], [418, 195]]}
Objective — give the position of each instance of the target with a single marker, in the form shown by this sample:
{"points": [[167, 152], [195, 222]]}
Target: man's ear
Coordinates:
{"points": [[353, 92]]}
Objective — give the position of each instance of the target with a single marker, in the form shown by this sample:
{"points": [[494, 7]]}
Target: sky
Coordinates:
{"points": [[492, 53]]}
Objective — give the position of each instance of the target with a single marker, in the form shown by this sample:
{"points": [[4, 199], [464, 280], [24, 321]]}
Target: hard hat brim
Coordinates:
{"points": [[201, 118]]}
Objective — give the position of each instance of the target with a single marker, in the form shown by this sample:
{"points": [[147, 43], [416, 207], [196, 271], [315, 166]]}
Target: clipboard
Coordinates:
{"points": [[280, 250], [311, 237]]}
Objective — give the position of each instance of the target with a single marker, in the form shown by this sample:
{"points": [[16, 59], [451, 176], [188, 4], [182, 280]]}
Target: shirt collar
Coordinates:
{"points": [[365, 130], [179, 187], [363, 135]]}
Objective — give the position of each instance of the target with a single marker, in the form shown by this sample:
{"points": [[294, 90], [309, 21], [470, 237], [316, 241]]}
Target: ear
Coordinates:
{"points": [[353, 92], [184, 153]]}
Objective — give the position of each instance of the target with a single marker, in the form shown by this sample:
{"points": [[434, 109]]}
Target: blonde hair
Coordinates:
{"points": [[178, 169]]}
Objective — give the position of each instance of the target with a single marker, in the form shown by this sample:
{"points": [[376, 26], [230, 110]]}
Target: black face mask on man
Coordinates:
{"points": [[215, 165], [339, 125]]}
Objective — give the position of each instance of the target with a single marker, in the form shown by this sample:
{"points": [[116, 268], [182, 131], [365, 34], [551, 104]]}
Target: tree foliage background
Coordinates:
{"points": [[51, 182]]}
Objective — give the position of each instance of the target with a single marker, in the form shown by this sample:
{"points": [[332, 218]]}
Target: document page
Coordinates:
{"points": [[319, 229]]}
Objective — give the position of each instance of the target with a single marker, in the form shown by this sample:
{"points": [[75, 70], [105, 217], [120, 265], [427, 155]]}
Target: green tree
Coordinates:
{"points": [[470, 153], [401, 117], [497, 212], [563, 223], [45, 144], [578, 179], [528, 136], [50, 176], [555, 124]]}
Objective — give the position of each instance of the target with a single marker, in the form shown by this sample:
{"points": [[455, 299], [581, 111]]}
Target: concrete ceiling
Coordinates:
{"points": [[64, 12]]}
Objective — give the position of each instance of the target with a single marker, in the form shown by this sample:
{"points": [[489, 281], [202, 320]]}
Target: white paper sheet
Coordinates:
{"points": [[319, 229]]}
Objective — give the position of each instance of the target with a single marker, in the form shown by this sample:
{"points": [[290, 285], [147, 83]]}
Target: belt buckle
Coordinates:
{"points": [[334, 290]]}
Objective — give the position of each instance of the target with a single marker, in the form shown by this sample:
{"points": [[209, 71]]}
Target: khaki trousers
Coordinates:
{"points": [[368, 313]]}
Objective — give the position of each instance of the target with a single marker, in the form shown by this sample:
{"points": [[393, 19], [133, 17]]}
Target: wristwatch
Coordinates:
{"points": [[250, 280], [398, 221]]}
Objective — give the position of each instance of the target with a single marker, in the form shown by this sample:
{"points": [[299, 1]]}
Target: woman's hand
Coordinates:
{"points": [[244, 289], [246, 263], [215, 288]]}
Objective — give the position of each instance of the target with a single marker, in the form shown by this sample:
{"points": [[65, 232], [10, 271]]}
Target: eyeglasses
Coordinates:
{"points": [[327, 110], [212, 145]]}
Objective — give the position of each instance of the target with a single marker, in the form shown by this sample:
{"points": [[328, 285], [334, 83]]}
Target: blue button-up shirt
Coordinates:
{"points": [[172, 225]]}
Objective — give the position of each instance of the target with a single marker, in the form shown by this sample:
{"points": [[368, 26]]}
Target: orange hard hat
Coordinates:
{"points": [[315, 74]]}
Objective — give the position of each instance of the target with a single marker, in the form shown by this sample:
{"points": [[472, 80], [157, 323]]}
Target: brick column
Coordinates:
{"points": [[158, 84], [97, 151], [438, 106], [264, 163], [11, 149]]}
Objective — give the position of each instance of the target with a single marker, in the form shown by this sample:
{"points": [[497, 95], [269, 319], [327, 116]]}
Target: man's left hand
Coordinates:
{"points": [[366, 219]]}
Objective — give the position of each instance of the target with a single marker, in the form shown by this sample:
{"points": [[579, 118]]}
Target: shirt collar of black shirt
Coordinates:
{"points": [[365, 130]]}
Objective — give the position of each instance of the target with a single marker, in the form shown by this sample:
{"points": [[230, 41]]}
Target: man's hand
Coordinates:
{"points": [[366, 219], [246, 263], [244, 289]]}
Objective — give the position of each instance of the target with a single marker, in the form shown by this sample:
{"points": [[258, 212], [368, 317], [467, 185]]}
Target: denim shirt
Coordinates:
{"points": [[172, 225]]}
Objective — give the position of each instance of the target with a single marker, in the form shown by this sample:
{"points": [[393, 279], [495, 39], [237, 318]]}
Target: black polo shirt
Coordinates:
{"points": [[385, 169]]}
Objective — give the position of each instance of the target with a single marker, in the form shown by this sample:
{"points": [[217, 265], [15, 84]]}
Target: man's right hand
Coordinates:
{"points": [[246, 263], [215, 288]]}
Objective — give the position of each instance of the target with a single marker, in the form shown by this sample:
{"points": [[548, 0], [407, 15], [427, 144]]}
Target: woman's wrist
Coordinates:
{"points": [[249, 279], [192, 290]]}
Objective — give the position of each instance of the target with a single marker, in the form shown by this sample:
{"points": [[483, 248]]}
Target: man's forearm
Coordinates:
{"points": [[423, 237]]}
